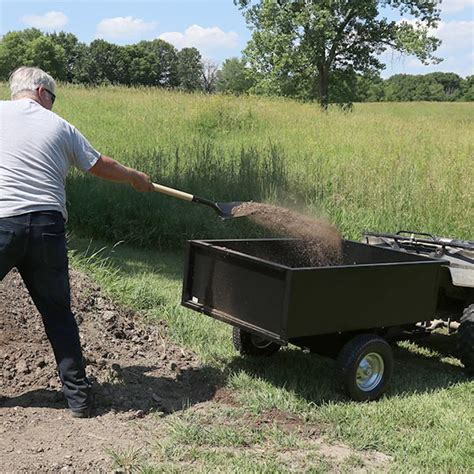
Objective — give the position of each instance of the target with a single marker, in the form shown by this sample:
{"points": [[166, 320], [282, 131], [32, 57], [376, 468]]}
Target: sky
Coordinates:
{"points": [[216, 27]]}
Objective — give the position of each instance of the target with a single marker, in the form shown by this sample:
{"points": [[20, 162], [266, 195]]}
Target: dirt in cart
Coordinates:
{"points": [[320, 242], [136, 372]]}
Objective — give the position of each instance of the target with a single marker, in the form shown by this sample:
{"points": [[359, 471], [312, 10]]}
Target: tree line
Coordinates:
{"points": [[157, 63], [237, 78], [435, 86], [147, 63]]}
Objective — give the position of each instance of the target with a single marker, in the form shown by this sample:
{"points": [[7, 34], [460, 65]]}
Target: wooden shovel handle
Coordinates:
{"points": [[173, 192]]}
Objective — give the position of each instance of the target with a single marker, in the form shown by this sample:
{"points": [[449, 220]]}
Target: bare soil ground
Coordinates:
{"points": [[135, 370]]}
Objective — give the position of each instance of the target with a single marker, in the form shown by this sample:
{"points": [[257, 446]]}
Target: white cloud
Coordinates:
{"points": [[123, 27], [202, 38], [455, 34], [455, 6], [456, 50], [461, 65], [49, 21]]}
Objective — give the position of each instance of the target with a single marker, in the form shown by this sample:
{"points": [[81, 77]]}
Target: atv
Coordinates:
{"points": [[455, 302]]}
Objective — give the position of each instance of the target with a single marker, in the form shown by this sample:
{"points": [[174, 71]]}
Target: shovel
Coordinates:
{"points": [[224, 209]]}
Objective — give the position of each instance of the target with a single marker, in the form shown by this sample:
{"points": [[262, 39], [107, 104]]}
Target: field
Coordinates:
{"points": [[381, 167]]}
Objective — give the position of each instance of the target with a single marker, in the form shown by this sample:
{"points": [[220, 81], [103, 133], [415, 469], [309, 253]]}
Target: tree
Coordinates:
{"points": [[42, 52], [13, 50], [30, 47], [153, 63], [300, 46], [400, 88], [106, 63], [468, 89], [189, 69], [209, 75], [406, 87], [370, 88], [450, 82], [234, 77], [79, 68], [74, 54], [166, 57], [426, 88]]}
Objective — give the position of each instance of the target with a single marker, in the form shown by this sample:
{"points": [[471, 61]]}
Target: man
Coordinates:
{"points": [[37, 147]]}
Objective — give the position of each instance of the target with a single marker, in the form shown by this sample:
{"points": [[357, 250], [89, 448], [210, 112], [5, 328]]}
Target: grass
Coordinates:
{"points": [[382, 167], [425, 423]]}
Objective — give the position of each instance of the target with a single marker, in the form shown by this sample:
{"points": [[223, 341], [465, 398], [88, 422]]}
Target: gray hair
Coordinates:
{"points": [[27, 78]]}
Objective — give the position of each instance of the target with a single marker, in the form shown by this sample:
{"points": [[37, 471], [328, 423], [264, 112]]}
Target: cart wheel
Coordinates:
{"points": [[466, 339], [365, 365], [251, 344]]}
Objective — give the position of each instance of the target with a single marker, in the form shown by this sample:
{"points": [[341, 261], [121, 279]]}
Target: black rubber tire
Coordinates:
{"points": [[249, 344], [349, 359], [466, 339]]}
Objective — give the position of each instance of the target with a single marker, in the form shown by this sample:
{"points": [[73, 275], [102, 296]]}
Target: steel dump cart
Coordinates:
{"points": [[349, 310]]}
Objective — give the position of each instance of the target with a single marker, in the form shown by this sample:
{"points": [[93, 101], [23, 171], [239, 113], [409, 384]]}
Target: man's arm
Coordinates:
{"points": [[111, 170]]}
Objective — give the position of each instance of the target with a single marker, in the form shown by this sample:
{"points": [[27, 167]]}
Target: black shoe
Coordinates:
{"points": [[85, 412]]}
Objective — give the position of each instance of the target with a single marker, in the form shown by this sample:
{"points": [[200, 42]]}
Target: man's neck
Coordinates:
{"points": [[26, 96]]}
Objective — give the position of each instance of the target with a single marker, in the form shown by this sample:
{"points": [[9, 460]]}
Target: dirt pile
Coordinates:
{"points": [[137, 373], [133, 365], [319, 241]]}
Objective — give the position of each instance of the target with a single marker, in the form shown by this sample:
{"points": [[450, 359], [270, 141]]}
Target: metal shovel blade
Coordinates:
{"points": [[227, 210]]}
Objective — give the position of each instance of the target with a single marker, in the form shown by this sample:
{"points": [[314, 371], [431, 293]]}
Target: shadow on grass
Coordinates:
{"points": [[129, 260], [135, 390], [315, 379], [441, 344]]}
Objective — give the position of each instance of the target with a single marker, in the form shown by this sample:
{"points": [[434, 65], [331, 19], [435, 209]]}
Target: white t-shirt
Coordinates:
{"points": [[37, 147]]}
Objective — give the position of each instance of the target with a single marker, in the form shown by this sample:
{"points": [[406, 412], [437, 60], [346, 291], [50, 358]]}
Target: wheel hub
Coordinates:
{"points": [[260, 342], [370, 372]]}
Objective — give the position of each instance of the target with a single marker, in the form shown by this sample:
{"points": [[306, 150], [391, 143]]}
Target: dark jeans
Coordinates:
{"points": [[35, 243]]}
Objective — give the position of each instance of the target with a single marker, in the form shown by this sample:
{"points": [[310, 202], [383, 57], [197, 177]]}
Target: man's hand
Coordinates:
{"points": [[141, 181]]}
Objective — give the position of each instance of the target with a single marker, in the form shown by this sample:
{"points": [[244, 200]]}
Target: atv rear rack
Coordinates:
{"points": [[408, 236]]}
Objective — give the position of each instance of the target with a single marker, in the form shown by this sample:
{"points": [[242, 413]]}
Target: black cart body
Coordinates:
{"points": [[237, 282]]}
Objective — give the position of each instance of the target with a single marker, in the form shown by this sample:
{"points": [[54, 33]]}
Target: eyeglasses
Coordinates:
{"points": [[53, 96]]}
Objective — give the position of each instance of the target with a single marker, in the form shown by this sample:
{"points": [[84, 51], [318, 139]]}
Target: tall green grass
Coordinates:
{"points": [[382, 167]]}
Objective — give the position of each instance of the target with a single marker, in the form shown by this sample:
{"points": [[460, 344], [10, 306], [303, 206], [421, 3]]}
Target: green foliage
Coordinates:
{"points": [[298, 48], [430, 87], [158, 64], [234, 77], [13, 50], [451, 83], [369, 88], [42, 52], [468, 88], [151, 63], [106, 63], [74, 52], [189, 69], [436, 86]]}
